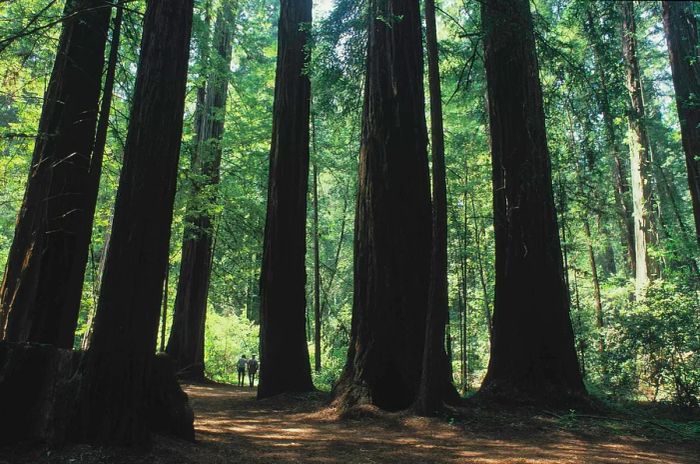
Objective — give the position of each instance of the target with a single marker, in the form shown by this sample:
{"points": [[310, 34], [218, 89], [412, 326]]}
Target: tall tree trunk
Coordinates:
{"points": [[478, 230], [186, 341], [42, 288], [87, 336], [464, 294], [462, 309], [596, 287], [116, 371], [164, 312], [608, 256], [682, 38], [532, 351], [436, 384], [622, 202], [581, 342], [317, 278], [98, 154], [639, 150], [284, 355], [393, 218]]}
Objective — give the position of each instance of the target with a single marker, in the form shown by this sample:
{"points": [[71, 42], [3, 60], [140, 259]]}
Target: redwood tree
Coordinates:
{"points": [[621, 192], [116, 369], [532, 349], [393, 217], [639, 150], [41, 290], [682, 37], [186, 342], [284, 356], [436, 383]]}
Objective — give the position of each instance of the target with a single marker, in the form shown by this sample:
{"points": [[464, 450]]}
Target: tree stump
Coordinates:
{"points": [[35, 391], [39, 387]]}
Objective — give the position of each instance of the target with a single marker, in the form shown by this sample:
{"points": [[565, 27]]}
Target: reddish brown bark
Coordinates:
{"points": [[622, 201], [393, 218], [682, 38], [186, 342], [41, 290], [436, 381], [116, 371], [639, 150], [284, 355], [532, 350]]}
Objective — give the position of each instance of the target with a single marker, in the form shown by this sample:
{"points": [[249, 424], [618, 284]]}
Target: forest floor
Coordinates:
{"points": [[232, 427]]}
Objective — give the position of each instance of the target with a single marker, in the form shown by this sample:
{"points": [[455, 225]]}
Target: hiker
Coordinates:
{"points": [[242, 362], [252, 369]]}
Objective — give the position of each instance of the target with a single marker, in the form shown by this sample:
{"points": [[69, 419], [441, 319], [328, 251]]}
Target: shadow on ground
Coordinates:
{"points": [[231, 427]]}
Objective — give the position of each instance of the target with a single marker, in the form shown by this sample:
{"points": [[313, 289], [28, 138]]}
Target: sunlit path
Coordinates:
{"points": [[230, 422]]}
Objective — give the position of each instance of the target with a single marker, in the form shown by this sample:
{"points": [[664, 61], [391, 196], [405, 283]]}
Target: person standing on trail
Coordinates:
{"points": [[252, 369], [241, 364]]}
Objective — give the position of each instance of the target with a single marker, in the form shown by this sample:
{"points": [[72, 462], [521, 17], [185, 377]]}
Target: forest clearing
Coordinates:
{"points": [[231, 426], [406, 231]]}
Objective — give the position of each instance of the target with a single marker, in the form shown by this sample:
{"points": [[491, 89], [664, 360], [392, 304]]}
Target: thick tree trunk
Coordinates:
{"points": [[622, 202], [436, 383], [36, 392], [682, 38], [186, 342], [41, 291], [639, 150], [38, 386], [532, 352], [393, 218], [116, 371], [284, 355]]}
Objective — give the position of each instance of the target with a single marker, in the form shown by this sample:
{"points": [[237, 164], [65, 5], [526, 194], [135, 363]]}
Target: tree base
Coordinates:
{"points": [[555, 396], [189, 374], [42, 397], [347, 395], [169, 411], [124, 397], [433, 405], [36, 392]]}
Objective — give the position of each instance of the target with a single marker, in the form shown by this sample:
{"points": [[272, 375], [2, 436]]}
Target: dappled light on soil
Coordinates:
{"points": [[233, 427], [304, 430]]}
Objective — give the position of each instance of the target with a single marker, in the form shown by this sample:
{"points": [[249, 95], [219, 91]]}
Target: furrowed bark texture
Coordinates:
{"points": [[682, 38], [36, 392], [98, 156], [284, 355], [532, 350], [116, 371], [639, 150], [393, 218], [622, 195], [186, 342], [436, 385], [38, 386], [41, 291]]}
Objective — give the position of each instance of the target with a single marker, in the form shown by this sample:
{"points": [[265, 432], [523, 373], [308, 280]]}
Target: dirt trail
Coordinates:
{"points": [[229, 420], [232, 427]]}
